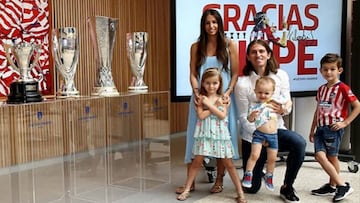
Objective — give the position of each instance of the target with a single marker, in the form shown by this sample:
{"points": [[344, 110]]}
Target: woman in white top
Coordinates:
{"points": [[261, 62]]}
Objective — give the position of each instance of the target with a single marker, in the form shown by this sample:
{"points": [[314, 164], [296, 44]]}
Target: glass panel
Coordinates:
{"points": [[123, 133], [37, 148], [5, 155], [155, 148], [85, 170]]}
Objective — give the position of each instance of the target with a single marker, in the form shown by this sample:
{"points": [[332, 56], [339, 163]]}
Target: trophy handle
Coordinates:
{"points": [[56, 53], [37, 56], [8, 57]]}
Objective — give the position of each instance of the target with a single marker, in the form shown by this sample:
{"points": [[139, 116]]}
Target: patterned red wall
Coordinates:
{"points": [[26, 21]]}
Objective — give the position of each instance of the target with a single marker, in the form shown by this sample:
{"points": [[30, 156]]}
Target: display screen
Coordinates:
{"points": [[300, 32]]}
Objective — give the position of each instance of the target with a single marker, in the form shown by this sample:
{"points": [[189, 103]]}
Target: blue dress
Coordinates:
{"points": [[211, 62]]}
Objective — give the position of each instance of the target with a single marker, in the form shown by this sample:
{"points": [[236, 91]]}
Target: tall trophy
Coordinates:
{"points": [[136, 44], [66, 55], [25, 89], [102, 32]]}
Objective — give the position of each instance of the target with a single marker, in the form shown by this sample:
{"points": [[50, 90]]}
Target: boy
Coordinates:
{"points": [[330, 119]]}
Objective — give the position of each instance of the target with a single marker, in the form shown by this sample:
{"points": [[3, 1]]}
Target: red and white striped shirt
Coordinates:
{"points": [[333, 103]]}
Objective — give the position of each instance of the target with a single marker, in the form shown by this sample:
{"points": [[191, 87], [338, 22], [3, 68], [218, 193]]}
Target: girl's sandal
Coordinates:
{"points": [[241, 198], [181, 189], [183, 196]]}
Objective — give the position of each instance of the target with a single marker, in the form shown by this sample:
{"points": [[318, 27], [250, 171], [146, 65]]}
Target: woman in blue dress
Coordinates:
{"points": [[212, 49]]}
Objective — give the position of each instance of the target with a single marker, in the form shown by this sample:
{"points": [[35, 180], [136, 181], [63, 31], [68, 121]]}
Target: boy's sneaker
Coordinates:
{"points": [[288, 194], [324, 190], [342, 192], [247, 179], [269, 182]]}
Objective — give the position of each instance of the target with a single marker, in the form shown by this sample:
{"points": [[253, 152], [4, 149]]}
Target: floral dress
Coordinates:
{"points": [[212, 137]]}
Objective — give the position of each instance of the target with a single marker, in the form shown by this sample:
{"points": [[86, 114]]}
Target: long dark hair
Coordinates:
{"points": [[221, 48], [271, 66]]}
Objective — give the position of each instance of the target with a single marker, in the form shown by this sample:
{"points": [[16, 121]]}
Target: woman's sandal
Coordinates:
{"points": [[218, 185], [181, 189], [183, 196], [216, 188]]}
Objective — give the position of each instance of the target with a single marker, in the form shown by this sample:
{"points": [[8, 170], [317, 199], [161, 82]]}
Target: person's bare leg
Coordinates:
{"points": [[330, 167], [254, 156], [181, 189], [270, 166], [193, 170], [229, 165], [334, 160], [271, 159], [220, 173], [336, 164]]}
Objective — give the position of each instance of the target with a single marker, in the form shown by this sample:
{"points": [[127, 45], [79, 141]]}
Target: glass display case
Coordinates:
{"points": [[155, 139], [85, 134], [85, 149], [36, 135]]}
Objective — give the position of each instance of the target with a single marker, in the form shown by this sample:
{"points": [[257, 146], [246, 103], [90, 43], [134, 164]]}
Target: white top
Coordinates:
{"points": [[265, 113], [245, 97]]}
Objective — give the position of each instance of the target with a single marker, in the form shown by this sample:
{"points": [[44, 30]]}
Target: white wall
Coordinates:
{"points": [[303, 111]]}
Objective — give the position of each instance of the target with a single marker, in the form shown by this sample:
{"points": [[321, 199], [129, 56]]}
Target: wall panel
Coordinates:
{"points": [[152, 16]]}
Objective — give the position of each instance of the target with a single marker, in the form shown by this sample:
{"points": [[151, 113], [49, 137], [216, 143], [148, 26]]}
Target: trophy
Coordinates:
{"points": [[66, 55], [102, 32], [136, 43], [24, 89]]}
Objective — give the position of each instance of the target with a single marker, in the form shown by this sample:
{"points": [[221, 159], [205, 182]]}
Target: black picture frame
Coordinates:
{"points": [[176, 98]]}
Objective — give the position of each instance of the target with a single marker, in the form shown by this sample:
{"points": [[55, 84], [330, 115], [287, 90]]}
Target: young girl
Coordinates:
{"points": [[266, 131], [212, 137]]}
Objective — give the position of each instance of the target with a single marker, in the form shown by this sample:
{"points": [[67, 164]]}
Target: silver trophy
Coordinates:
{"points": [[102, 32], [66, 55], [26, 88], [136, 43]]}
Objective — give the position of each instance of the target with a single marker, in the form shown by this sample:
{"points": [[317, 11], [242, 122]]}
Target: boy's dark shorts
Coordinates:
{"points": [[327, 140]]}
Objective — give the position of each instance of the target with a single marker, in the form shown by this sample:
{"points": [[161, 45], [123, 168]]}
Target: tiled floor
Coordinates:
{"points": [[120, 175]]}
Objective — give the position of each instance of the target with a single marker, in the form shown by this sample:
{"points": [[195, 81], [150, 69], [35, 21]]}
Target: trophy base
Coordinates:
{"points": [[105, 91], [68, 94], [138, 89], [24, 92]]}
